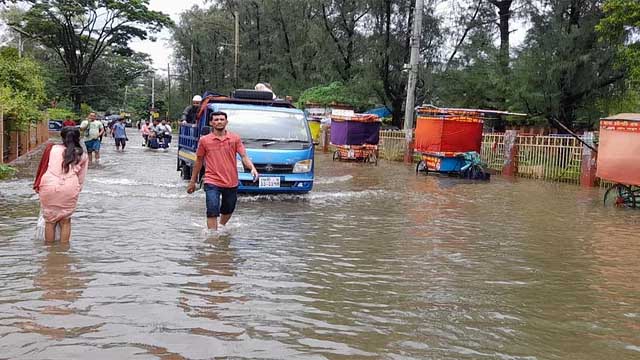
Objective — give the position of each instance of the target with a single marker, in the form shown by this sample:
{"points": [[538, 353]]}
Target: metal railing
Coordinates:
{"points": [[392, 145], [551, 158], [554, 158], [492, 151]]}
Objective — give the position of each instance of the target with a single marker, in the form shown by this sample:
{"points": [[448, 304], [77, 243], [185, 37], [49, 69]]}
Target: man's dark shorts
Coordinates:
{"points": [[92, 145], [215, 207], [121, 141]]}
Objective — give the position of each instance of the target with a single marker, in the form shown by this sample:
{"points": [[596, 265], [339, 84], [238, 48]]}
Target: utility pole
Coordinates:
{"points": [[19, 45], [191, 68], [236, 14], [413, 77], [124, 106], [20, 42], [153, 96], [169, 90]]}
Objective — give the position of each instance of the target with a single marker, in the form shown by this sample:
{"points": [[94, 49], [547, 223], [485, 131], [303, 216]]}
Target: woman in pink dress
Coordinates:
{"points": [[61, 184]]}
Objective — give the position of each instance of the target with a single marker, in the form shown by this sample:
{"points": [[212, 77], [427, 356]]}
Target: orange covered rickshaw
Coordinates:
{"points": [[449, 141], [619, 159]]}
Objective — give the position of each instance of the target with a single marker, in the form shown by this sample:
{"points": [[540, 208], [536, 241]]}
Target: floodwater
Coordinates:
{"points": [[374, 263]]}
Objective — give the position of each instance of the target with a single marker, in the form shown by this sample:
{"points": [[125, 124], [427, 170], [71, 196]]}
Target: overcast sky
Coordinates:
{"points": [[161, 50]]}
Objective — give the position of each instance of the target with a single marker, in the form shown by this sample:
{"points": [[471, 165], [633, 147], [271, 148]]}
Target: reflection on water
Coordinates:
{"points": [[61, 285], [376, 262]]}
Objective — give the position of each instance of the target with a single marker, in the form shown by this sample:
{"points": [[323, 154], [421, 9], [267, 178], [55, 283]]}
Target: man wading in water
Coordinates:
{"points": [[218, 151]]}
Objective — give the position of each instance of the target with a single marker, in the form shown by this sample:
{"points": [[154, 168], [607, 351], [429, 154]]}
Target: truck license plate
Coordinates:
{"points": [[269, 182]]}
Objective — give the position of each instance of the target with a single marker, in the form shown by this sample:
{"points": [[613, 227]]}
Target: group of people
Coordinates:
{"points": [[63, 167], [156, 133]]}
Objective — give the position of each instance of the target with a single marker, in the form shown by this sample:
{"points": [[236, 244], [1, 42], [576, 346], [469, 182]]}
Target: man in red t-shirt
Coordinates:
{"points": [[218, 151], [69, 122]]}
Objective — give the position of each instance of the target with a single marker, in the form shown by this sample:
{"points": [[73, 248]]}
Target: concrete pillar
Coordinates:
{"points": [[43, 129], [23, 138], [13, 145], [510, 167], [408, 154], [38, 134], [588, 165], [30, 142], [325, 139]]}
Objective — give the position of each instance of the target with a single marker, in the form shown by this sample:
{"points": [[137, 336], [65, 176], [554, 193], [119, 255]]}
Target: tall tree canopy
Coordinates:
{"points": [[622, 25], [80, 31], [579, 59]]}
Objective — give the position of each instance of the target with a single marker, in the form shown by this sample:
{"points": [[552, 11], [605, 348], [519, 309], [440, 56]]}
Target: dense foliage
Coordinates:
{"points": [[334, 93], [562, 69], [573, 60], [21, 88], [81, 32]]}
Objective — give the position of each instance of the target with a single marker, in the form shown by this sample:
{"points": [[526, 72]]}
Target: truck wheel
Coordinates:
{"points": [[185, 172]]}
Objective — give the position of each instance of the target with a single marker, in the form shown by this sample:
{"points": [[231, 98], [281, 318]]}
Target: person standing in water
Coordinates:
{"points": [[218, 152], [120, 134], [59, 181], [93, 131]]}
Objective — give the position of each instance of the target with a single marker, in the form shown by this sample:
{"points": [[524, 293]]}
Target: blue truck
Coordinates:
{"points": [[275, 134]]}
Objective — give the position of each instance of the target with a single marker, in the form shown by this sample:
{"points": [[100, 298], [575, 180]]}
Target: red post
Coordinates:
{"points": [[510, 167], [588, 166]]}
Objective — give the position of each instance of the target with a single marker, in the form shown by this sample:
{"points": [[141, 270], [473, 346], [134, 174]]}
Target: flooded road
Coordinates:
{"points": [[374, 263]]}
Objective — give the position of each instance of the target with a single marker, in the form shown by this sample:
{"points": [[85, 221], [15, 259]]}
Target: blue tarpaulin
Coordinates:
{"points": [[380, 111]]}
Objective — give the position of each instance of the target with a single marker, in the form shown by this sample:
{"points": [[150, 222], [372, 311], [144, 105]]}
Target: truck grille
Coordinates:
{"points": [[283, 184], [273, 168]]}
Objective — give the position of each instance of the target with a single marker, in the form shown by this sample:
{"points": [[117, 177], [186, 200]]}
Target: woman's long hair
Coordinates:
{"points": [[71, 140]]}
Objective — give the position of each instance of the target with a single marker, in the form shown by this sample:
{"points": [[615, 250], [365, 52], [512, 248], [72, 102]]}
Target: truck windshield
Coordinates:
{"points": [[268, 125]]}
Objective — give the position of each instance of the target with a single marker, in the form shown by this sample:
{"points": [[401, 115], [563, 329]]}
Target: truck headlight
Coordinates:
{"points": [[303, 166], [239, 166]]}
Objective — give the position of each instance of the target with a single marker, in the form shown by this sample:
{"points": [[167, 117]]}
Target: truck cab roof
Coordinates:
{"points": [[251, 106]]}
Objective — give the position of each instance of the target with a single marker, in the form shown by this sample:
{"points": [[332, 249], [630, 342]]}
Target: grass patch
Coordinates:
{"points": [[6, 171]]}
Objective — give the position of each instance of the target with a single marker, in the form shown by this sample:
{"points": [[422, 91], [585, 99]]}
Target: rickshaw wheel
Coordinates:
{"points": [[372, 159], [336, 155], [620, 195], [421, 167], [475, 172]]}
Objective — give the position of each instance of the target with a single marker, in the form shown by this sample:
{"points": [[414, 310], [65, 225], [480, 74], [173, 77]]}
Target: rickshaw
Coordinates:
{"points": [[355, 137], [449, 141], [619, 159]]}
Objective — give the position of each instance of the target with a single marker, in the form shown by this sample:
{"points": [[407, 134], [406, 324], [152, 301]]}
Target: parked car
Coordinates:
{"points": [[55, 125]]}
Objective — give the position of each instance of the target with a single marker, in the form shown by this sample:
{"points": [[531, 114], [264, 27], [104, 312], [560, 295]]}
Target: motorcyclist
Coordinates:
{"points": [[190, 113], [163, 131]]}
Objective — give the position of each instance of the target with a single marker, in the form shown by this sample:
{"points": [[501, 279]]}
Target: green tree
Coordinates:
{"points": [[21, 88], [621, 24], [80, 32], [563, 70]]}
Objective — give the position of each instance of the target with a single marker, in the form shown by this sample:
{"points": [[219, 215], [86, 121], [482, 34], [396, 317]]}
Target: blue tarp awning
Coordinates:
{"points": [[380, 111]]}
